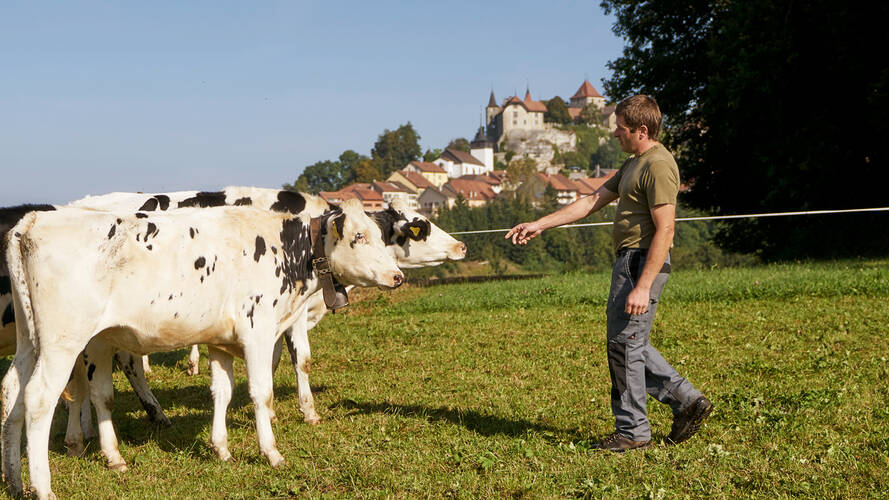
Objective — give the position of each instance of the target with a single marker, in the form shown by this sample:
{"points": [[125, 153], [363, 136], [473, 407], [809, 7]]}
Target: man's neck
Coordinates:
{"points": [[645, 146]]}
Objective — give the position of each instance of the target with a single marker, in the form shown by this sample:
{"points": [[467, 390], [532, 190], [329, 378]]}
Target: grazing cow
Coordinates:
{"points": [[233, 278]]}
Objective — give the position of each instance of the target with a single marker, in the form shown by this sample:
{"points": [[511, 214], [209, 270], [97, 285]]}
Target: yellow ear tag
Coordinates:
{"points": [[415, 230], [336, 234]]}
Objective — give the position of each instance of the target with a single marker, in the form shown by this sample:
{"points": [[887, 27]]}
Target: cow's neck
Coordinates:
{"points": [[335, 296]]}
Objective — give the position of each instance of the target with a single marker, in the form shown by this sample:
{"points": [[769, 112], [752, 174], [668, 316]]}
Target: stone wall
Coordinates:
{"points": [[537, 144]]}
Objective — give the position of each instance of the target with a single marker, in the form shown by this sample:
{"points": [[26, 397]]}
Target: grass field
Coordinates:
{"points": [[500, 390]]}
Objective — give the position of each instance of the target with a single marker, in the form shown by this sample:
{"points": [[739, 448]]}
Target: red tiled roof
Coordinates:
{"points": [[586, 90], [472, 190], [416, 179], [558, 181], [574, 113], [487, 179], [458, 156], [389, 187], [588, 185], [529, 105], [428, 167]]}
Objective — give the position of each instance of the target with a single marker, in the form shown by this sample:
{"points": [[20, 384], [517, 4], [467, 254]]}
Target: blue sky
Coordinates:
{"points": [[162, 96]]}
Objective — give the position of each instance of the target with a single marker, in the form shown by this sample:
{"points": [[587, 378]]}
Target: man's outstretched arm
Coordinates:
{"points": [[523, 233]]}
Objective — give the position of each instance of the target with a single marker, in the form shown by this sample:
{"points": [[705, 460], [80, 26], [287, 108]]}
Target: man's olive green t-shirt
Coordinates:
{"points": [[643, 182]]}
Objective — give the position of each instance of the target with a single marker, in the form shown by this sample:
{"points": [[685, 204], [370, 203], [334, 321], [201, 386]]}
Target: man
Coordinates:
{"points": [[647, 185]]}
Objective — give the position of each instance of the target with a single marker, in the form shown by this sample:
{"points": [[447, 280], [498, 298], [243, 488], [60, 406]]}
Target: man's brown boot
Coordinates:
{"points": [[619, 443], [687, 422]]}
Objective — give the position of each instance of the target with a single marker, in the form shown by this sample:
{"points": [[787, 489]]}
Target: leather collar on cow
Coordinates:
{"points": [[335, 296]]}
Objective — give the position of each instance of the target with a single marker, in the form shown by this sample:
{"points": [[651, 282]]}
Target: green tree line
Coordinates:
{"points": [[770, 105]]}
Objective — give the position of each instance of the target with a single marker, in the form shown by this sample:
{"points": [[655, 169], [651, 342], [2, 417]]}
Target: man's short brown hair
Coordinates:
{"points": [[641, 110]]}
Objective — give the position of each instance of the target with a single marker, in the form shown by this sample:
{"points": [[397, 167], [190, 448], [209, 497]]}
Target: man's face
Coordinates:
{"points": [[629, 141]]}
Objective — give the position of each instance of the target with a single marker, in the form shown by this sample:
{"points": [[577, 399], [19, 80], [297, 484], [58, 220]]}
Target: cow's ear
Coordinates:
{"points": [[336, 225], [416, 229]]}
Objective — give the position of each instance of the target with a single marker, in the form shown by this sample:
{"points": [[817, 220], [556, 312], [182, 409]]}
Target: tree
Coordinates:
{"points": [[591, 114], [322, 176], [431, 154], [368, 170], [556, 111], [754, 131], [395, 149], [520, 172], [460, 144], [608, 155]]}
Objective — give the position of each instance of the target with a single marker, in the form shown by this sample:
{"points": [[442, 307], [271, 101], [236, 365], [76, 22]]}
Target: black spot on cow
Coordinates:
{"points": [[175, 315], [140, 215], [200, 262], [289, 202], [192, 231], [119, 220], [202, 278], [112, 231], [258, 298], [90, 371], [250, 315], [274, 250], [138, 237], [148, 248], [386, 220], [296, 255], [274, 302], [278, 271], [208, 271], [150, 205], [204, 199], [8, 315], [243, 202], [9, 216], [152, 231], [5, 285], [260, 248], [163, 201], [170, 297]]}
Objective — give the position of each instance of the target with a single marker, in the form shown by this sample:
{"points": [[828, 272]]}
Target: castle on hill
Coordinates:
{"points": [[523, 116]]}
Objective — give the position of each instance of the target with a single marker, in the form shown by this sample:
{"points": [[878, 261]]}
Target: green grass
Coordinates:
{"points": [[500, 390]]}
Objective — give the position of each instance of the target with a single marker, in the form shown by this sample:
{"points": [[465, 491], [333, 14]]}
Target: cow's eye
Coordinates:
{"points": [[359, 237]]}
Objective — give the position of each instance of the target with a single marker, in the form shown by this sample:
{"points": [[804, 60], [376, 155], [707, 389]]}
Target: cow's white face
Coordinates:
{"points": [[415, 241], [355, 248]]}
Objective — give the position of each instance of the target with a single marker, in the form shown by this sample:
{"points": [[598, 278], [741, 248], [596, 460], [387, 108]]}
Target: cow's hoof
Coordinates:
{"points": [[74, 449], [276, 459], [118, 466], [224, 454]]}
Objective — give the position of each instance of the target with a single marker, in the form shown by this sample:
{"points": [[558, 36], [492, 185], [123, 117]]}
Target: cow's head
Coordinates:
{"points": [[354, 245], [414, 240]]}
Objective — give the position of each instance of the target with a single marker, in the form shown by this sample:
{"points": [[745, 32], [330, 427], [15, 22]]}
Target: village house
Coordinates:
{"points": [[432, 172]]}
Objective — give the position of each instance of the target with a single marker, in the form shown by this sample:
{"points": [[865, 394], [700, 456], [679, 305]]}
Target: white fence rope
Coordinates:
{"points": [[712, 217]]}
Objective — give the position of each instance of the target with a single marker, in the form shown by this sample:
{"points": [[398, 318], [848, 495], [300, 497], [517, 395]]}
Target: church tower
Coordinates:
{"points": [[483, 150]]}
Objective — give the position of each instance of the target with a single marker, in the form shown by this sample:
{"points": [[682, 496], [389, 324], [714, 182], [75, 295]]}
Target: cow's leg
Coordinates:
{"points": [[78, 388], [194, 359], [54, 364], [221, 386], [258, 359], [13, 414], [100, 360], [276, 355], [146, 365], [135, 374], [297, 338], [86, 419]]}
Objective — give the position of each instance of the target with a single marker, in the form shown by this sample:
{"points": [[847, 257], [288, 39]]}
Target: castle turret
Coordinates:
{"points": [[483, 149]]}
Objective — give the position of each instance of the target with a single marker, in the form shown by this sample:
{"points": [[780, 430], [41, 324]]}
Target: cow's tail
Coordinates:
{"points": [[16, 260]]}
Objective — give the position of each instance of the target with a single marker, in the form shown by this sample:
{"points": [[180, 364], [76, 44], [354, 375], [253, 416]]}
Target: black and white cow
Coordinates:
{"points": [[231, 277], [412, 239]]}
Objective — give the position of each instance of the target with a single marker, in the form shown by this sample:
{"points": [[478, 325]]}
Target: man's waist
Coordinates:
{"points": [[625, 250]]}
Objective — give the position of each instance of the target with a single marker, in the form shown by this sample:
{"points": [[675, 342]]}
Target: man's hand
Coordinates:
{"points": [[524, 232], [637, 301]]}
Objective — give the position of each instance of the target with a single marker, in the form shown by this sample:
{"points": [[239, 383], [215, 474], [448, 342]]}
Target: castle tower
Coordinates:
{"points": [[483, 150], [492, 110]]}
